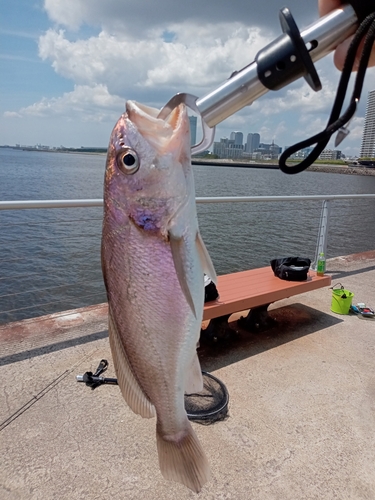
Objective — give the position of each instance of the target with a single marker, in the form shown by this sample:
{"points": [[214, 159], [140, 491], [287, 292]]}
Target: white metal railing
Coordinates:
{"points": [[57, 279], [323, 225], [37, 204]]}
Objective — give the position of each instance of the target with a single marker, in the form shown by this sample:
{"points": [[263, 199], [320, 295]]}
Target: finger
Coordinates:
{"points": [[326, 6], [340, 54], [341, 51]]}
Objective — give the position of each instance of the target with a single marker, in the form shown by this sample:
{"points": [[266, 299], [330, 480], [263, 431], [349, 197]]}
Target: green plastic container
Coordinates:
{"points": [[341, 300]]}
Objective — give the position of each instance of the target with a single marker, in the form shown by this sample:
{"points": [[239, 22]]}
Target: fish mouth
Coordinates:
{"points": [[163, 135]]}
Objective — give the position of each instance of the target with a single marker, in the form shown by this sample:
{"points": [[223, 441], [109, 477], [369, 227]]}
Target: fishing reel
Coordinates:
{"points": [[286, 59]]}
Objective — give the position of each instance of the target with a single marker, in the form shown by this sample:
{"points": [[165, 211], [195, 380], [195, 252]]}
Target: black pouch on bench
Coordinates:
{"points": [[291, 268], [210, 290]]}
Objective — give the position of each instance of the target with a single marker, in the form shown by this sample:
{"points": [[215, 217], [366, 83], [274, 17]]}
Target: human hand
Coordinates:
{"points": [[325, 6]]}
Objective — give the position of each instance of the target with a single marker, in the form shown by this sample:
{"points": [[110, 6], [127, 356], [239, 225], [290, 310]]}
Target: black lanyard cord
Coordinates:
{"points": [[365, 30]]}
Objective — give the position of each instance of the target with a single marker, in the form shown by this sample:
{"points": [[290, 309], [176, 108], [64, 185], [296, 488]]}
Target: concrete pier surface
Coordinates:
{"points": [[301, 422]]}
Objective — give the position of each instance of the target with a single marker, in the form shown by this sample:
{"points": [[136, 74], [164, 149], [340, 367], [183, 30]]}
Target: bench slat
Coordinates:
{"points": [[257, 287]]}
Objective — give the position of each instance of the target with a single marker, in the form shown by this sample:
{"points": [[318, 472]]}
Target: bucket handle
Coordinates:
{"points": [[336, 284], [343, 296]]}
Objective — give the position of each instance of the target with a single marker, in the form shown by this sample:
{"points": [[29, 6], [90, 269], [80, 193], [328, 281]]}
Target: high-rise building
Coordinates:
{"points": [[237, 137], [255, 141], [368, 138], [252, 142], [193, 130], [248, 143]]}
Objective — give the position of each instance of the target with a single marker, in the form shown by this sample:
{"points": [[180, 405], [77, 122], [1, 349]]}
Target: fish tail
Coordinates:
{"points": [[182, 459]]}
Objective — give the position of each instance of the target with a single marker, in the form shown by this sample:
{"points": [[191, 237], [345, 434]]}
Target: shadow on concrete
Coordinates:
{"points": [[58, 346], [337, 275], [293, 322]]}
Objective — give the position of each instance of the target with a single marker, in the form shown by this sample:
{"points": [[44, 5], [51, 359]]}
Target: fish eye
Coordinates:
{"points": [[128, 161]]}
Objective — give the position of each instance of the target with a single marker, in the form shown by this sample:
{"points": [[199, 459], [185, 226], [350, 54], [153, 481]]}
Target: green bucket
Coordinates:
{"points": [[341, 300]]}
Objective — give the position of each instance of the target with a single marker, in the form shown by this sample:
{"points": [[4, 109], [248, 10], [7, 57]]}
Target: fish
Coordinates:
{"points": [[153, 263]]}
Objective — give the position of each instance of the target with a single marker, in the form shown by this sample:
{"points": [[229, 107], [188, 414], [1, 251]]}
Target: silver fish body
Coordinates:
{"points": [[153, 261]]}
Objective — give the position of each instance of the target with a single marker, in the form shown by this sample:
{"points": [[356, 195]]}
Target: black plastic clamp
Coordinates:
{"points": [[286, 58]]}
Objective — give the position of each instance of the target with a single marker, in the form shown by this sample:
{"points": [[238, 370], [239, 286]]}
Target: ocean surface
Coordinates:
{"points": [[50, 259]]}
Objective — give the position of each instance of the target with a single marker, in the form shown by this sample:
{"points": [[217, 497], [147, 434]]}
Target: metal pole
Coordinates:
{"points": [[321, 245]]}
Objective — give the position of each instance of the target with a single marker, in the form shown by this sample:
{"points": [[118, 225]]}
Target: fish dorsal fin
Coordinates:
{"points": [[179, 252], [130, 389], [194, 379], [206, 262]]}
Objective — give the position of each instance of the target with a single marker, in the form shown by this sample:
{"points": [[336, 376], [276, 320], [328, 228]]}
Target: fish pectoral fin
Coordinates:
{"points": [[208, 267], [194, 379], [179, 253], [182, 459], [130, 389]]}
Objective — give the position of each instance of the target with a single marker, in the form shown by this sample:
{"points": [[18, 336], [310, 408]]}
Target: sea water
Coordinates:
{"points": [[50, 259]]}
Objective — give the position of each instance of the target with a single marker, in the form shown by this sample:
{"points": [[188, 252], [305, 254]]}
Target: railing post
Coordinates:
{"points": [[321, 245]]}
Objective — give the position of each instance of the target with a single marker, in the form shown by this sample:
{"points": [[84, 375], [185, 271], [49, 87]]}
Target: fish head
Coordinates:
{"points": [[148, 162]]}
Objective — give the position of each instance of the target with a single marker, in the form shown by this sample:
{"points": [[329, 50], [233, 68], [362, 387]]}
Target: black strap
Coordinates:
{"points": [[362, 8], [366, 30]]}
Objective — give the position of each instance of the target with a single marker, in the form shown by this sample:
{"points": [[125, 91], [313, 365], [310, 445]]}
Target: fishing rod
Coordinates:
{"points": [[289, 57]]}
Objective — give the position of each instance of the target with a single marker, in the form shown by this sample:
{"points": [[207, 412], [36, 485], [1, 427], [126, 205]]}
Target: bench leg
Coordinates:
{"points": [[257, 320], [217, 329]]}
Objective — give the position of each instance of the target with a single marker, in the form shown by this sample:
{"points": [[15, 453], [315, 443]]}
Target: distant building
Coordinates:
{"points": [[227, 148], [193, 130], [329, 154], [301, 154], [368, 138], [269, 151], [220, 148], [252, 142], [237, 137]]}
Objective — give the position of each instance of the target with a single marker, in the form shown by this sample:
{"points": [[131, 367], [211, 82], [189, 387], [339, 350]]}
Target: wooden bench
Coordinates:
{"points": [[255, 290]]}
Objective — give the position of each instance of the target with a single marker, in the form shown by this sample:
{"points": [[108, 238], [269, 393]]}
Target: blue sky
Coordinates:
{"points": [[25, 76], [68, 66]]}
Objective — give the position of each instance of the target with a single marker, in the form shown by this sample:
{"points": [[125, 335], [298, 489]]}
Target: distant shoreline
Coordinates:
{"points": [[316, 167]]}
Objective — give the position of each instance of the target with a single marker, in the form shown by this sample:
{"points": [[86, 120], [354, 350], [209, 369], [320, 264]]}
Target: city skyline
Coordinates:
{"points": [[234, 147]]}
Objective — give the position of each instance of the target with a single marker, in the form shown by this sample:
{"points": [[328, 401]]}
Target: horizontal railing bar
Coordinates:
{"points": [[257, 199], [37, 204], [27, 204]]}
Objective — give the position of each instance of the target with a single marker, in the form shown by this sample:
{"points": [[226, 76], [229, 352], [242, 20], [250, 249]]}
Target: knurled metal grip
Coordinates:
{"points": [[286, 58]]}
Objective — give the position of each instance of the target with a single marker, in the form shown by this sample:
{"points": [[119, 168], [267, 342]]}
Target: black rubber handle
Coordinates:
{"points": [[362, 8]]}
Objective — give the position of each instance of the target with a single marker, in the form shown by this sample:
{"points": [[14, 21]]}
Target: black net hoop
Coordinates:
{"points": [[209, 405]]}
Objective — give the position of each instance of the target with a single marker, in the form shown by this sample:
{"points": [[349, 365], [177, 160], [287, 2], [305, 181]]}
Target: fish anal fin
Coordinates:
{"points": [[194, 379], [130, 389], [178, 250], [208, 267], [182, 459]]}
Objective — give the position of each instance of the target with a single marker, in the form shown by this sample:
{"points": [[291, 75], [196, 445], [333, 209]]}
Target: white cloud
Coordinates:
{"points": [[88, 103], [197, 59], [12, 114], [299, 97], [137, 17], [68, 13]]}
